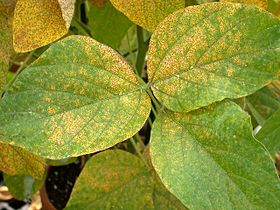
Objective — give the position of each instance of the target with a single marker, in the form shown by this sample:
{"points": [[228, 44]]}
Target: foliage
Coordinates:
{"points": [[194, 83]]}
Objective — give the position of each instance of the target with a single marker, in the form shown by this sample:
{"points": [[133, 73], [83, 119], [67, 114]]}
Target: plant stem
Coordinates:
{"points": [[142, 50], [137, 151], [23, 65]]}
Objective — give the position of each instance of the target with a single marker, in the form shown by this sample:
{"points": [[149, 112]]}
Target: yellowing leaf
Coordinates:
{"points": [[83, 98], [6, 43], [207, 53], [148, 13], [258, 3], [16, 161], [116, 179], [274, 7], [38, 23], [209, 159]]}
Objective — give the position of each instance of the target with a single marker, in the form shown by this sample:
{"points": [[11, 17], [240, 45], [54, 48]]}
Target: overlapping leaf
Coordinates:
{"points": [[209, 52], [274, 7], [262, 104], [6, 44], [209, 159], [38, 23], [16, 161], [79, 97], [148, 13], [22, 186], [269, 134], [107, 24], [119, 180], [259, 3]]}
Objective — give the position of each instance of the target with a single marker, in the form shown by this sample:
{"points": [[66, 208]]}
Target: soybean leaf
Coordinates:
{"points": [[147, 13], [107, 25], [274, 7], [83, 98], [38, 23], [208, 158], [16, 161], [262, 104], [116, 179], [6, 37], [211, 52], [259, 3], [269, 134], [113, 180], [22, 186]]}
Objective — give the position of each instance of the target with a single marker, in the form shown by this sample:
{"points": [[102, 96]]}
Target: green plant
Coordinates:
{"points": [[80, 97]]}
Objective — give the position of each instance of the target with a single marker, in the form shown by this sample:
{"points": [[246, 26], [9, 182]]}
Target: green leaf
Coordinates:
{"points": [[146, 13], [6, 37], [83, 98], [262, 104], [209, 159], [38, 23], [21, 186], [16, 161], [107, 25], [116, 179], [113, 180], [274, 7], [269, 134], [211, 52]]}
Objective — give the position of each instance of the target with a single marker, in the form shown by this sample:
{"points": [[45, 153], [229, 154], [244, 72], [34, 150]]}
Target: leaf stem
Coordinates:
{"points": [[137, 151], [142, 50]]}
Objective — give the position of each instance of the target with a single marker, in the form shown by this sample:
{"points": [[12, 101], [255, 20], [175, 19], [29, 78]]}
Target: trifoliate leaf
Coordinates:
{"points": [[206, 53], [38, 23], [79, 97], [147, 13], [209, 159]]}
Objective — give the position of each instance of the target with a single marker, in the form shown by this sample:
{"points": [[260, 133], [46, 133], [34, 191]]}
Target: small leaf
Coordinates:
{"points": [[211, 52], [209, 159], [113, 180], [259, 3], [107, 25], [6, 37], [116, 179], [269, 134], [16, 161], [38, 23], [83, 98], [262, 104], [146, 13], [22, 186]]}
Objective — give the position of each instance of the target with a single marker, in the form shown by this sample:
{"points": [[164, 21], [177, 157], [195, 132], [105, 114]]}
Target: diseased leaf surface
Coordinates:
{"points": [[148, 13], [22, 186], [107, 25], [209, 159], [6, 37], [259, 3], [116, 179], [16, 161], [38, 23], [83, 98], [206, 53], [113, 180], [269, 134]]}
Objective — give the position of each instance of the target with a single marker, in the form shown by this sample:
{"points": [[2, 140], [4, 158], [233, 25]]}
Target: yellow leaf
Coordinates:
{"points": [[258, 3], [148, 13], [38, 23]]}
